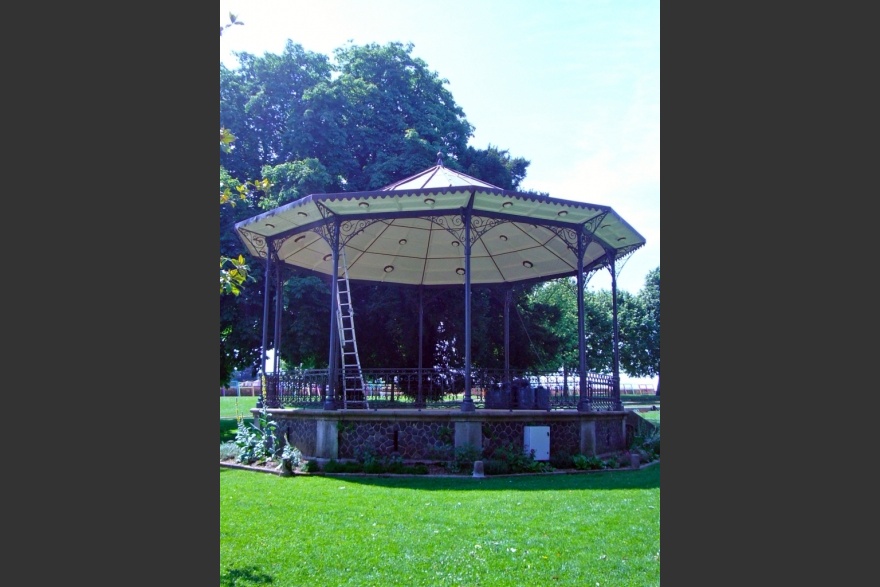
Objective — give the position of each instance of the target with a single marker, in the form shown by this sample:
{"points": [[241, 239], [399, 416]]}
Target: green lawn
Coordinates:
{"points": [[599, 528], [230, 407]]}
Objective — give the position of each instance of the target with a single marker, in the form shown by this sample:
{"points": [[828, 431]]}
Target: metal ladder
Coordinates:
{"points": [[353, 388]]}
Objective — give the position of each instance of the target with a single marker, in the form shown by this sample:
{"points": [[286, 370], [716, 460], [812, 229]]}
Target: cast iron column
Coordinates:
{"points": [[507, 296], [272, 388], [583, 401], [330, 397], [467, 404], [265, 322], [420, 402], [615, 381]]}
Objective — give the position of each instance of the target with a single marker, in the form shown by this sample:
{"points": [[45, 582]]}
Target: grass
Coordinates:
{"points": [[228, 408], [599, 528]]}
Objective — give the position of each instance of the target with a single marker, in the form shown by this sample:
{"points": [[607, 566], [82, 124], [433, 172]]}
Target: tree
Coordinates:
{"points": [[263, 103], [641, 353], [638, 325], [234, 271], [495, 166], [558, 300], [307, 125], [399, 114]]}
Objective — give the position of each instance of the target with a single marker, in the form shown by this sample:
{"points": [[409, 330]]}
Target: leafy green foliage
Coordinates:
{"points": [[561, 460], [463, 458], [334, 466], [229, 450], [584, 462], [257, 441], [640, 351], [509, 459], [372, 463], [291, 458], [561, 294], [291, 454], [233, 274], [293, 180], [495, 166], [647, 445], [226, 140], [638, 322]]}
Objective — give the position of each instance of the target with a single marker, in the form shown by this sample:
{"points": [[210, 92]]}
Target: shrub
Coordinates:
{"points": [[369, 460], [393, 464], [256, 442], [496, 467], [561, 460], [417, 469], [229, 450], [623, 459], [517, 461], [647, 445], [610, 463], [334, 466], [463, 459], [584, 463], [291, 458], [312, 467]]}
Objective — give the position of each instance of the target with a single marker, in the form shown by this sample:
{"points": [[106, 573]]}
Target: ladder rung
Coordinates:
{"points": [[352, 377]]}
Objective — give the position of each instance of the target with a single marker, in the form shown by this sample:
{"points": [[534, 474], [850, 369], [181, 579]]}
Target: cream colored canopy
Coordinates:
{"points": [[414, 232]]}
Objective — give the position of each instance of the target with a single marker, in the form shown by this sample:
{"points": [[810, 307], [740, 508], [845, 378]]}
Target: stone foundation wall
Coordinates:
{"points": [[300, 433], [610, 434], [433, 435]]}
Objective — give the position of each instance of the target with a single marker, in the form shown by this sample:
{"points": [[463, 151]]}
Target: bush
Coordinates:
{"points": [[561, 460], [463, 459], [370, 463], [312, 467], [517, 461], [291, 458], [585, 463], [610, 463], [334, 466], [647, 446], [496, 467], [257, 442], [417, 469], [229, 450]]}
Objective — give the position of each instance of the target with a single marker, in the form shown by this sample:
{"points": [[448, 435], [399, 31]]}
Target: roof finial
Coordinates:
{"points": [[440, 158]]}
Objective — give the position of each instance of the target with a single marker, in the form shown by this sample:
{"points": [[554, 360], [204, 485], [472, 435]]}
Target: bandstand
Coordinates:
{"points": [[438, 228]]}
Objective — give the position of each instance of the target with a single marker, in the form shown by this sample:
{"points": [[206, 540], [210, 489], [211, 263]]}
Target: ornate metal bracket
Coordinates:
{"points": [[256, 240]]}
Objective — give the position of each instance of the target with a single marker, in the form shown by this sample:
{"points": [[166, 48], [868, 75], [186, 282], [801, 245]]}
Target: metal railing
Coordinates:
{"points": [[431, 389]]}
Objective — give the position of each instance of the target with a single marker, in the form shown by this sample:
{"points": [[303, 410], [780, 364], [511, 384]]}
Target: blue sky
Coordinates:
{"points": [[571, 85]]}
